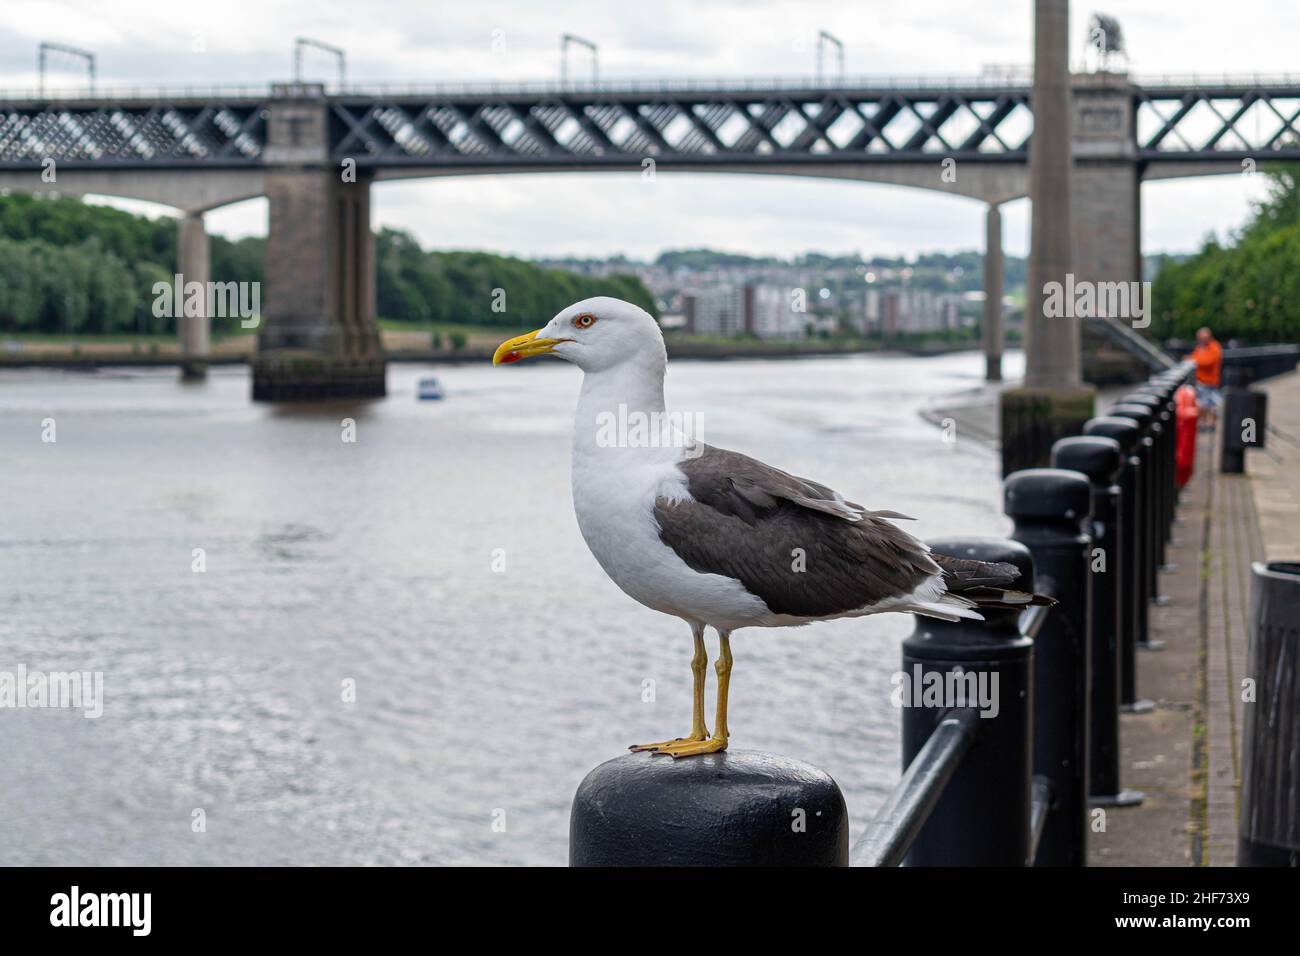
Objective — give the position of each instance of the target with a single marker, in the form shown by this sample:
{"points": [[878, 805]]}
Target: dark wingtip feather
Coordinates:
{"points": [[1006, 600]]}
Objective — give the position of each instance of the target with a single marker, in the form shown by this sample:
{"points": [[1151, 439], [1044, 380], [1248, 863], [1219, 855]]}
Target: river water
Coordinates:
{"points": [[398, 649]]}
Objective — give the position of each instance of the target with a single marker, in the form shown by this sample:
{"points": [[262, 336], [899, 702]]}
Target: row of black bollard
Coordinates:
{"points": [[1144, 528], [1098, 525], [1102, 459], [1161, 430], [1095, 527], [1126, 555], [1164, 387]]}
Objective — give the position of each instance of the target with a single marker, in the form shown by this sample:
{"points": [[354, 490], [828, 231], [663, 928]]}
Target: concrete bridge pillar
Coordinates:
{"points": [[1053, 402], [991, 329], [318, 339], [193, 264], [1051, 342], [1105, 203]]}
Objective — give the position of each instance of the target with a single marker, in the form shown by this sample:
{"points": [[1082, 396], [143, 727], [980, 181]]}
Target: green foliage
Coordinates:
{"points": [[1248, 290], [69, 267], [238, 261], [479, 288], [80, 288], [68, 222]]}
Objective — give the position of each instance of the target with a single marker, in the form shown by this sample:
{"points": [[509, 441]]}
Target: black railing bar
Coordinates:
{"points": [[890, 835], [1040, 802], [1249, 351]]}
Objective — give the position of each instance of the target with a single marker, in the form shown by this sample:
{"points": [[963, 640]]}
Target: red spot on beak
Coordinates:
{"points": [[511, 357]]}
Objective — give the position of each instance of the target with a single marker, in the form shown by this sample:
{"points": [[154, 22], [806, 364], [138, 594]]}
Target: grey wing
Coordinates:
{"points": [[796, 544]]}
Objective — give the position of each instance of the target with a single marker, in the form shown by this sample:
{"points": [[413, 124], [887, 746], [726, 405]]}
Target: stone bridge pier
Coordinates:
{"points": [[193, 263], [1105, 203], [318, 338]]}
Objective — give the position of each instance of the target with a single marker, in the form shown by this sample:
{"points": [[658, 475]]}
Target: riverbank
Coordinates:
{"points": [[405, 346]]}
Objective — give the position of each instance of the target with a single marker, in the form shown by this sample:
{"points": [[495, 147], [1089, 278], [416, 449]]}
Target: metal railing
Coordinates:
{"points": [[726, 84], [898, 823], [1128, 338], [992, 81], [1262, 361], [969, 795]]}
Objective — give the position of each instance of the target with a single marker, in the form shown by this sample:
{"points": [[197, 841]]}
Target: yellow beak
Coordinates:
{"points": [[523, 346]]}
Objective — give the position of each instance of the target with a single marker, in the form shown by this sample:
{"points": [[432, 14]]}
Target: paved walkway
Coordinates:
{"points": [[1186, 754]]}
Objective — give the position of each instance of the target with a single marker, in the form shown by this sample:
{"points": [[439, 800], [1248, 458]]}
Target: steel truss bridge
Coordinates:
{"points": [[704, 123]]}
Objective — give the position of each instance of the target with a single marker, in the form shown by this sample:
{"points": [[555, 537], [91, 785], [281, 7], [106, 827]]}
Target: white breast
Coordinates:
{"points": [[614, 491]]}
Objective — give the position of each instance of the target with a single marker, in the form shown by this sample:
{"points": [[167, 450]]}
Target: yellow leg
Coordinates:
{"points": [[718, 741], [699, 667], [724, 684]]}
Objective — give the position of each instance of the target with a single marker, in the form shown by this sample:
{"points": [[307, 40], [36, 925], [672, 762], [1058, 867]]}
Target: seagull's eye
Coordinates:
{"points": [[584, 321]]}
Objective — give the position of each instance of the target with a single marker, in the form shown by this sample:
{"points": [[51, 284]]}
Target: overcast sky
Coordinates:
{"points": [[412, 41]]}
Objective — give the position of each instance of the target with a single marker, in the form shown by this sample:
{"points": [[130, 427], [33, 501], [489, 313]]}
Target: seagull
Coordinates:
{"points": [[720, 539]]}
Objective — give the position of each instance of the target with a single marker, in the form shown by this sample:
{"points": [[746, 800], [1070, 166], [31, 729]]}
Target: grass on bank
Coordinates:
{"points": [[419, 336]]}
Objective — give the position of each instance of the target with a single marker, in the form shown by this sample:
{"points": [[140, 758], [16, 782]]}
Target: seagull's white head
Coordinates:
{"points": [[594, 334]]}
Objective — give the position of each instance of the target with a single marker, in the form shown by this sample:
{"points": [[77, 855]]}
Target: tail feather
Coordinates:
{"points": [[1003, 599], [982, 584]]}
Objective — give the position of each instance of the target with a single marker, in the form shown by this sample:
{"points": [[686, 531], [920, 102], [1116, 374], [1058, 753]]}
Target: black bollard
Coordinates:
{"points": [[1146, 521], [1238, 405], [982, 817], [1259, 412], [736, 808], [1132, 606], [1101, 459], [1164, 390], [1048, 506], [1161, 432], [1158, 433]]}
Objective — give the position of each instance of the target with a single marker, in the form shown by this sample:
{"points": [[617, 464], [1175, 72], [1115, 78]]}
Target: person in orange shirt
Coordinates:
{"points": [[1208, 356]]}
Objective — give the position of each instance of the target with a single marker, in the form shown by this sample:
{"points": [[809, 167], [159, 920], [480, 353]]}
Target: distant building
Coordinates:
{"points": [[870, 310], [770, 312], [911, 311], [766, 310], [718, 310], [890, 311]]}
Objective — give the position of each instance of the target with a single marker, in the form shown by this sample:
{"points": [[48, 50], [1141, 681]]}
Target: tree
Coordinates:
{"points": [[1249, 289], [66, 266]]}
